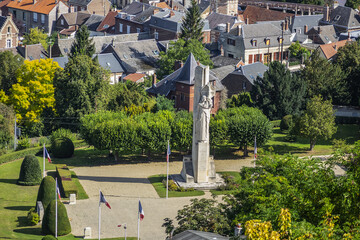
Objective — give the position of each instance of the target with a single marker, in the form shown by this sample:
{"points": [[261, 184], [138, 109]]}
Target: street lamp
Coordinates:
{"points": [[124, 228]]}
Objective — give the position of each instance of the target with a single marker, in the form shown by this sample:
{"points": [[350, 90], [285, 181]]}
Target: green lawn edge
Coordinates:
{"points": [[156, 181], [236, 176]]}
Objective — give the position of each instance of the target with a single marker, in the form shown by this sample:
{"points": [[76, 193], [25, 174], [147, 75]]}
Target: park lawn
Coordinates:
{"points": [[237, 178], [156, 181]]}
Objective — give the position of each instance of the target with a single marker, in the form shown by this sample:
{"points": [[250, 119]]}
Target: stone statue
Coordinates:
{"points": [[203, 120]]}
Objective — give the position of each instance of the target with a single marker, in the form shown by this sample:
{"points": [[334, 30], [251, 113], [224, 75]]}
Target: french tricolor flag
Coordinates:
{"points": [[103, 200], [168, 152], [141, 212], [255, 149], [57, 189], [47, 155]]}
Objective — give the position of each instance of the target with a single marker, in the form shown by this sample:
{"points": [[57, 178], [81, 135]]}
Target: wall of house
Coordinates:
{"points": [[163, 34], [60, 27], [13, 35], [55, 13], [133, 26], [99, 7], [183, 97], [250, 56], [206, 37], [235, 50], [115, 78]]}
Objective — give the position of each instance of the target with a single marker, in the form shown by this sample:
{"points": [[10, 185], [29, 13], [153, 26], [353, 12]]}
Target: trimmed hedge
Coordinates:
{"points": [[49, 237], [30, 171], [46, 191], [48, 223], [66, 184], [62, 147]]}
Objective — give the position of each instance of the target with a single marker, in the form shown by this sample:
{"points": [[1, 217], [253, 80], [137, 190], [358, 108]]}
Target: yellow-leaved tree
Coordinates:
{"points": [[34, 90]]}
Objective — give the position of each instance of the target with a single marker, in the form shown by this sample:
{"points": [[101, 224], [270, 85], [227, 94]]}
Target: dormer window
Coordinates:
{"points": [[280, 39], [337, 18], [253, 42], [9, 30], [267, 41]]}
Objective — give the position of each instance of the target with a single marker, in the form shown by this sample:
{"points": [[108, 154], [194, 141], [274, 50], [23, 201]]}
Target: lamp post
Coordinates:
{"points": [[124, 228]]}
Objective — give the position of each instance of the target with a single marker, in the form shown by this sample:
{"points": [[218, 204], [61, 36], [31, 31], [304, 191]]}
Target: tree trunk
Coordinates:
{"points": [[246, 154], [312, 144], [116, 155]]}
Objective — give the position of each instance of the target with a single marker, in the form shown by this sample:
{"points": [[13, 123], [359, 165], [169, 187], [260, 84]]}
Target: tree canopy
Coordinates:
{"points": [[279, 92], [299, 52], [9, 65], [82, 45], [35, 36], [192, 25]]}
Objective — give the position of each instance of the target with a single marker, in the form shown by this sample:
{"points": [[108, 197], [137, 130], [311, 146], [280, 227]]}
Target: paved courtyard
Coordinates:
{"points": [[122, 186]]}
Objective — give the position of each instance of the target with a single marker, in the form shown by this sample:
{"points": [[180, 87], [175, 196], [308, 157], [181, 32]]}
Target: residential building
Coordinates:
{"points": [[8, 32], [68, 23], [221, 61], [256, 43], [98, 7], [37, 13], [32, 52], [4, 8], [166, 25], [323, 34], [179, 86], [135, 77], [107, 26], [254, 14], [344, 19], [227, 7], [92, 23], [329, 51], [242, 79], [300, 25], [217, 24]]}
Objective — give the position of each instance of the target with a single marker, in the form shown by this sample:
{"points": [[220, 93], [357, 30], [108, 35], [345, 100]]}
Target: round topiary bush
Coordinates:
{"points": [[30, 172], [46, 191], [49, 237], [286, 122], [62, 147], [48, 223]]}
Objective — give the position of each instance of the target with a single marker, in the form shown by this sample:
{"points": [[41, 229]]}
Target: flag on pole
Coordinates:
{"points": [[47, 155], [58, 190], [255, 149], [103, 200], [141, 212], [168, 152]]}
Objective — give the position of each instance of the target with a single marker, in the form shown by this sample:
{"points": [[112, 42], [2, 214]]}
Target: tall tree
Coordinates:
{"points": [[7, 116], [9, 65], [279, 92], [192, 25], [81, 88], [35, 36], [318, 121], [325, 79], [179, 51], [83, 45], [348, 58]]}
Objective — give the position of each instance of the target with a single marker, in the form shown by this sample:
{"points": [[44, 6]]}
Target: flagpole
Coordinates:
{"points": [[99, 213], [138, 233], [167, 171], [44, 160], [255, 152], [56, 209]]}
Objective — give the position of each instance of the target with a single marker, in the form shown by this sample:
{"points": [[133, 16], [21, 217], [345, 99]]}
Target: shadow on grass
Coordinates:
{"points": [[22, 221], [9, 181], [30, 231], [19, 208], [284, 149], [114, 179]]}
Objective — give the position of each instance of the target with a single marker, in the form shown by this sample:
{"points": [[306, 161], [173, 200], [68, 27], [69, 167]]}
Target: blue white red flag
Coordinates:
{"points": [[141, 212], [168, 152], [47, 155], [103, 200], [255, 149], [58, 190]]}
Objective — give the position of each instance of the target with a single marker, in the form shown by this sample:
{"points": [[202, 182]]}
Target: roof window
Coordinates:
{"points": [[337, 18]]}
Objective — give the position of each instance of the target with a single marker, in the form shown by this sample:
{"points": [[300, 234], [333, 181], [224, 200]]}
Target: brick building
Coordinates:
{"points": [[8, 33], [98, 7], [179, 86]]}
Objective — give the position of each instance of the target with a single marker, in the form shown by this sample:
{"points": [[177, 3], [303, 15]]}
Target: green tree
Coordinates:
{"points": [[81, 88], [163, 103], [7, 116], [244, 123], [192, 25], [9, 65], [353, 4], [46, 191], [182, 131], [325, 79], [297, 51], [179, 51], [279, 92], [348, 58], [63, 223], [318, 121], [218, 130], [35, 36], [237, 100], [82, 44]]}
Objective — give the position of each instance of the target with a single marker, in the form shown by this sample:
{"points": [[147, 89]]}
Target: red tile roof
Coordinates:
{"points": [[258, 14], [40, 6], [330, 49], [162, 5], [4, 3], [134, 77], [108, 20]]}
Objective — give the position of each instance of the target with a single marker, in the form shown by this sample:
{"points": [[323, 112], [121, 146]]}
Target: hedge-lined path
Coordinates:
{"points": [[122, 186]]}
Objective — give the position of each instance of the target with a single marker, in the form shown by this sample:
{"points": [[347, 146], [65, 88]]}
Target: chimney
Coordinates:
{"points": [[34, 1], [326, 13], [335, 46], [238, 17], [348, 36], [222, 50], [227, 27], [286, 24], [171, 14], [305, 29], [178, 64], [156, 10], [319, 30], [9, 16], [198, 63], [143, 7], [239, 30], [154, 80]]}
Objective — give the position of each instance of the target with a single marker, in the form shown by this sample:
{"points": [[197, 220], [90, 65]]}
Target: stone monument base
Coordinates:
{"points": [[186, 178]]}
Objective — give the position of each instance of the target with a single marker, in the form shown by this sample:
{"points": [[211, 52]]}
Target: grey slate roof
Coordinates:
{"points": [[76, 18], [79, 2], [135, 8], [220, 61], [306, 20], [204, 4], [184, 75], [252, 71], [198, 235], [94, 21], [2, 21], [354, 35], [62, 61], [141, 12], [327, 33], [33, 51], [217, 18], [222, 72], [345, 16]]}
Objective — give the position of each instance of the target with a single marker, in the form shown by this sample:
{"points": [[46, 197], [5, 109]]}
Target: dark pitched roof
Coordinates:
{"points": [[108, 24], [217, 18], [220, 61], [252, 71], [204, 4], [222, 72], [137, 12], [2, 21], [256, 14], [79, 2], [198, 235], [76, 18], [185, 75], [34, 51], [345, 16], [306, 20], [135, 8], [94, 21]]}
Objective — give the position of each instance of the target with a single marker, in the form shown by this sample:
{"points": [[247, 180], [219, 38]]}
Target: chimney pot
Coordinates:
{"points": [[239, 30], [305, 29], [227, 27], [154, 80], [222, 50]]}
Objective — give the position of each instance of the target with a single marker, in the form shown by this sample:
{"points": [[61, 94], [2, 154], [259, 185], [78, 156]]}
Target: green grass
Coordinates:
{"points": [[81, 192], [156, 181], [237, 178]]}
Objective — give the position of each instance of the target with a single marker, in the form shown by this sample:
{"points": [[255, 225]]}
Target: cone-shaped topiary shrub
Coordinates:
{"points": [[46, 191], [48, 223], [30, 172], [49, 237], [62, 147]]}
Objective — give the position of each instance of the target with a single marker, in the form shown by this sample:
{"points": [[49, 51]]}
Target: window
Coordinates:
{"points": [[254, 43], [138, 30], [8, 43], [257, 58], [230, 55], [62, 22], [9, 30], [267, 41], [24, 16], [156, 35], [121, 27], [14, 14], [280, 40], [127, 29], [42, 18], [35, 17], [231, 41], [182, 97]]}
